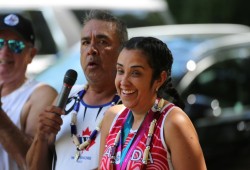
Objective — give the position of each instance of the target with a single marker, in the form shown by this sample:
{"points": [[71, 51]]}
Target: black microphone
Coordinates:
{"points": [[69, 80]]}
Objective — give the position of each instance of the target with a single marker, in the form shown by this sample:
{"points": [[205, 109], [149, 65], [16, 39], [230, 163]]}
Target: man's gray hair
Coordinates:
{"points": [[104, 15]]}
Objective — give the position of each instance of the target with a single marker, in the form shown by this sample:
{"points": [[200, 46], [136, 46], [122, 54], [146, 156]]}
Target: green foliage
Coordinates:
{"points": [[210, 11]]}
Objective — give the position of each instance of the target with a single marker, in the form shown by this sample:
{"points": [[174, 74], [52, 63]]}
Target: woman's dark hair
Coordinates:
{"points": [[160, 59]]}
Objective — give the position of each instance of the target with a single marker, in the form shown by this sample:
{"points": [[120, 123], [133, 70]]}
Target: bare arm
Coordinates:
{"points": [[15, 141], [182, 141], [40, 154]]}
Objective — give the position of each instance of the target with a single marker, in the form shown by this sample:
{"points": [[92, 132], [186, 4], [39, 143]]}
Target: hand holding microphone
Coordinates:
{"points": [[50, 120]]}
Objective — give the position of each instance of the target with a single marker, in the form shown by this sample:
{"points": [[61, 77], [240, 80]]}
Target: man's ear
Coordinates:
{"points": [[32, 54]]}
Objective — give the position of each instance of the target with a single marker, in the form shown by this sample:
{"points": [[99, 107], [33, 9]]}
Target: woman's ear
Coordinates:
{"points": [[161, 79]]}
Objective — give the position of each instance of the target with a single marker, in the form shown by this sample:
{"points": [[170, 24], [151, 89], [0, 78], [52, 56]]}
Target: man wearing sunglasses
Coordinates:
{"points": [[21, 98]]}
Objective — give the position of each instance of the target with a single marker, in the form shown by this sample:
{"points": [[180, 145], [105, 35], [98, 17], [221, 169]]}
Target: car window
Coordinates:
{"points": [[226, 82], [181, 48]]}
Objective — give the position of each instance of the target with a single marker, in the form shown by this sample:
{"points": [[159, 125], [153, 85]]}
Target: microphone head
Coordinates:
{"points": [[70, 77]]}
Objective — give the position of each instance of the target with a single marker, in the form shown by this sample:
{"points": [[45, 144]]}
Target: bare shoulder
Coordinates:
{"points": [[111, 113], [178, 125], [177, 117], [45, 89], [114, 110], [43, 92], [40, 98]]}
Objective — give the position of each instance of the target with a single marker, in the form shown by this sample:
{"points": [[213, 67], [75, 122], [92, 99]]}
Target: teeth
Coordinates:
{"points": [[128, 91]]}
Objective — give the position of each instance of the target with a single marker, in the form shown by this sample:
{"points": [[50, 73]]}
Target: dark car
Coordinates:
{"points": [[217, 97]]}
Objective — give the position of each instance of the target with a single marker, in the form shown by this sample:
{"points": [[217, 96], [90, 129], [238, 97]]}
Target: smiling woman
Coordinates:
{"points": [[148, 131]]}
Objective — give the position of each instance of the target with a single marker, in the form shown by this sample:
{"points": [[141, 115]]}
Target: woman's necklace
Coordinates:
{"points": [[82, 146], [156, 110]]}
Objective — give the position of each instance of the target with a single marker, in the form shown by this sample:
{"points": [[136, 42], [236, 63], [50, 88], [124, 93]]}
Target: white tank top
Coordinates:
{"points": [[12, 104]]}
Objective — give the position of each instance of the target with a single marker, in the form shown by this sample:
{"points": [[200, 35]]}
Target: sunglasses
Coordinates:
{"points": [[15, 46]]}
